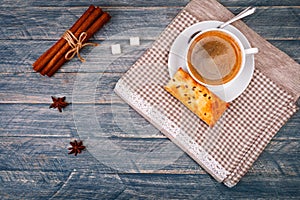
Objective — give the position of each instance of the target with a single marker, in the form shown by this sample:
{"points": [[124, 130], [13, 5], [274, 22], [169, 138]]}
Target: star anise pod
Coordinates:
{"points": [[59, 103], [76, 148]]}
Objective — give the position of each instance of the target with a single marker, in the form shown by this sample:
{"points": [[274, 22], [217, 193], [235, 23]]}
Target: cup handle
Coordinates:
{"points": [[251, 51]]}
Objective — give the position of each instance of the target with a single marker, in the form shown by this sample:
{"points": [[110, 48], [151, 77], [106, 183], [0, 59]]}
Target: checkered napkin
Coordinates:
{"points": [[227, 150]]}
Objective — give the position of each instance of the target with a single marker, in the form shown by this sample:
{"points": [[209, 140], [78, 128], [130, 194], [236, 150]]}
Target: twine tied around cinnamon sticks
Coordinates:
{"points": [[76, 44], [72, 41]]}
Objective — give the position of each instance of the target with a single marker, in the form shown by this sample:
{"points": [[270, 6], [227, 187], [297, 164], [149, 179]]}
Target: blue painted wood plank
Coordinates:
{"points": [[19, 59], [142, 3], [37, 120], [31, 158], [44, 23], [35, 88], [44, 154], [111, 3], [30, 184], [145, 186], [203, 187]]}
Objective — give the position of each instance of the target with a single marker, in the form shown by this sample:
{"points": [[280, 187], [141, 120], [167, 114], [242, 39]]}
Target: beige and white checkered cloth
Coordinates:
{"points": [[227, 150]]}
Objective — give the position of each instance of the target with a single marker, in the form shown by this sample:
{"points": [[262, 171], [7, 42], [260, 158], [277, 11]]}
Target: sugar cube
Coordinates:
{"points": [[134, 41], [116, 49]]}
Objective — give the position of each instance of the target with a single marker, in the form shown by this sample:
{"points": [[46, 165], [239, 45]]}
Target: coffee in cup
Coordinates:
{"points": [[215, 57]]}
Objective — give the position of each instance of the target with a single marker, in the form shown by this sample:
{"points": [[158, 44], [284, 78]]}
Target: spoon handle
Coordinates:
{"points": [[244, 13]]}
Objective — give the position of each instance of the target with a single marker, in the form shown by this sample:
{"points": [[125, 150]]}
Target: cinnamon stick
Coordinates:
{"points": [[65, 48], [103, 19], [41, 62], [97, 25]]}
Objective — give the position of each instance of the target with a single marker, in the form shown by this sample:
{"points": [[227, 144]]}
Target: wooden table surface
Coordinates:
{"points": [[34, 160]]}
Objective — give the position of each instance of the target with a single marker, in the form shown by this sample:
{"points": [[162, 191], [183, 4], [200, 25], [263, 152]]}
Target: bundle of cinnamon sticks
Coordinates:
{"points": [[89, 23]]}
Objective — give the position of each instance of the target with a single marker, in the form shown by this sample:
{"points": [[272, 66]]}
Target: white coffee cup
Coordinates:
{"points": [[216, 57]]}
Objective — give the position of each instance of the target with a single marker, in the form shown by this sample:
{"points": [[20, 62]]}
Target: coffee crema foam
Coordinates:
{"points": [[214, 57]]}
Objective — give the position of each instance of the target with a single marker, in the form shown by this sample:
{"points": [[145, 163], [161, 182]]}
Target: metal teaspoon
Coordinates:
{"points": [[248, 11]]}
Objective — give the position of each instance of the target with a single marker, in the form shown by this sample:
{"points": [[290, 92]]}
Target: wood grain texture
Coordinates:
{"points": [[49, 23], [34, 163], [44, 122], [9, 50], [142, 3]]}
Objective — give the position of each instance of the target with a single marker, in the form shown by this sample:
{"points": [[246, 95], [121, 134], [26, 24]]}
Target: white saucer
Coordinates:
{"points": [[177, 59]]}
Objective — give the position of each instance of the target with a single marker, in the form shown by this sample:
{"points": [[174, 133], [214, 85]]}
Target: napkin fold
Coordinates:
{"points": [[230, 148]]}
